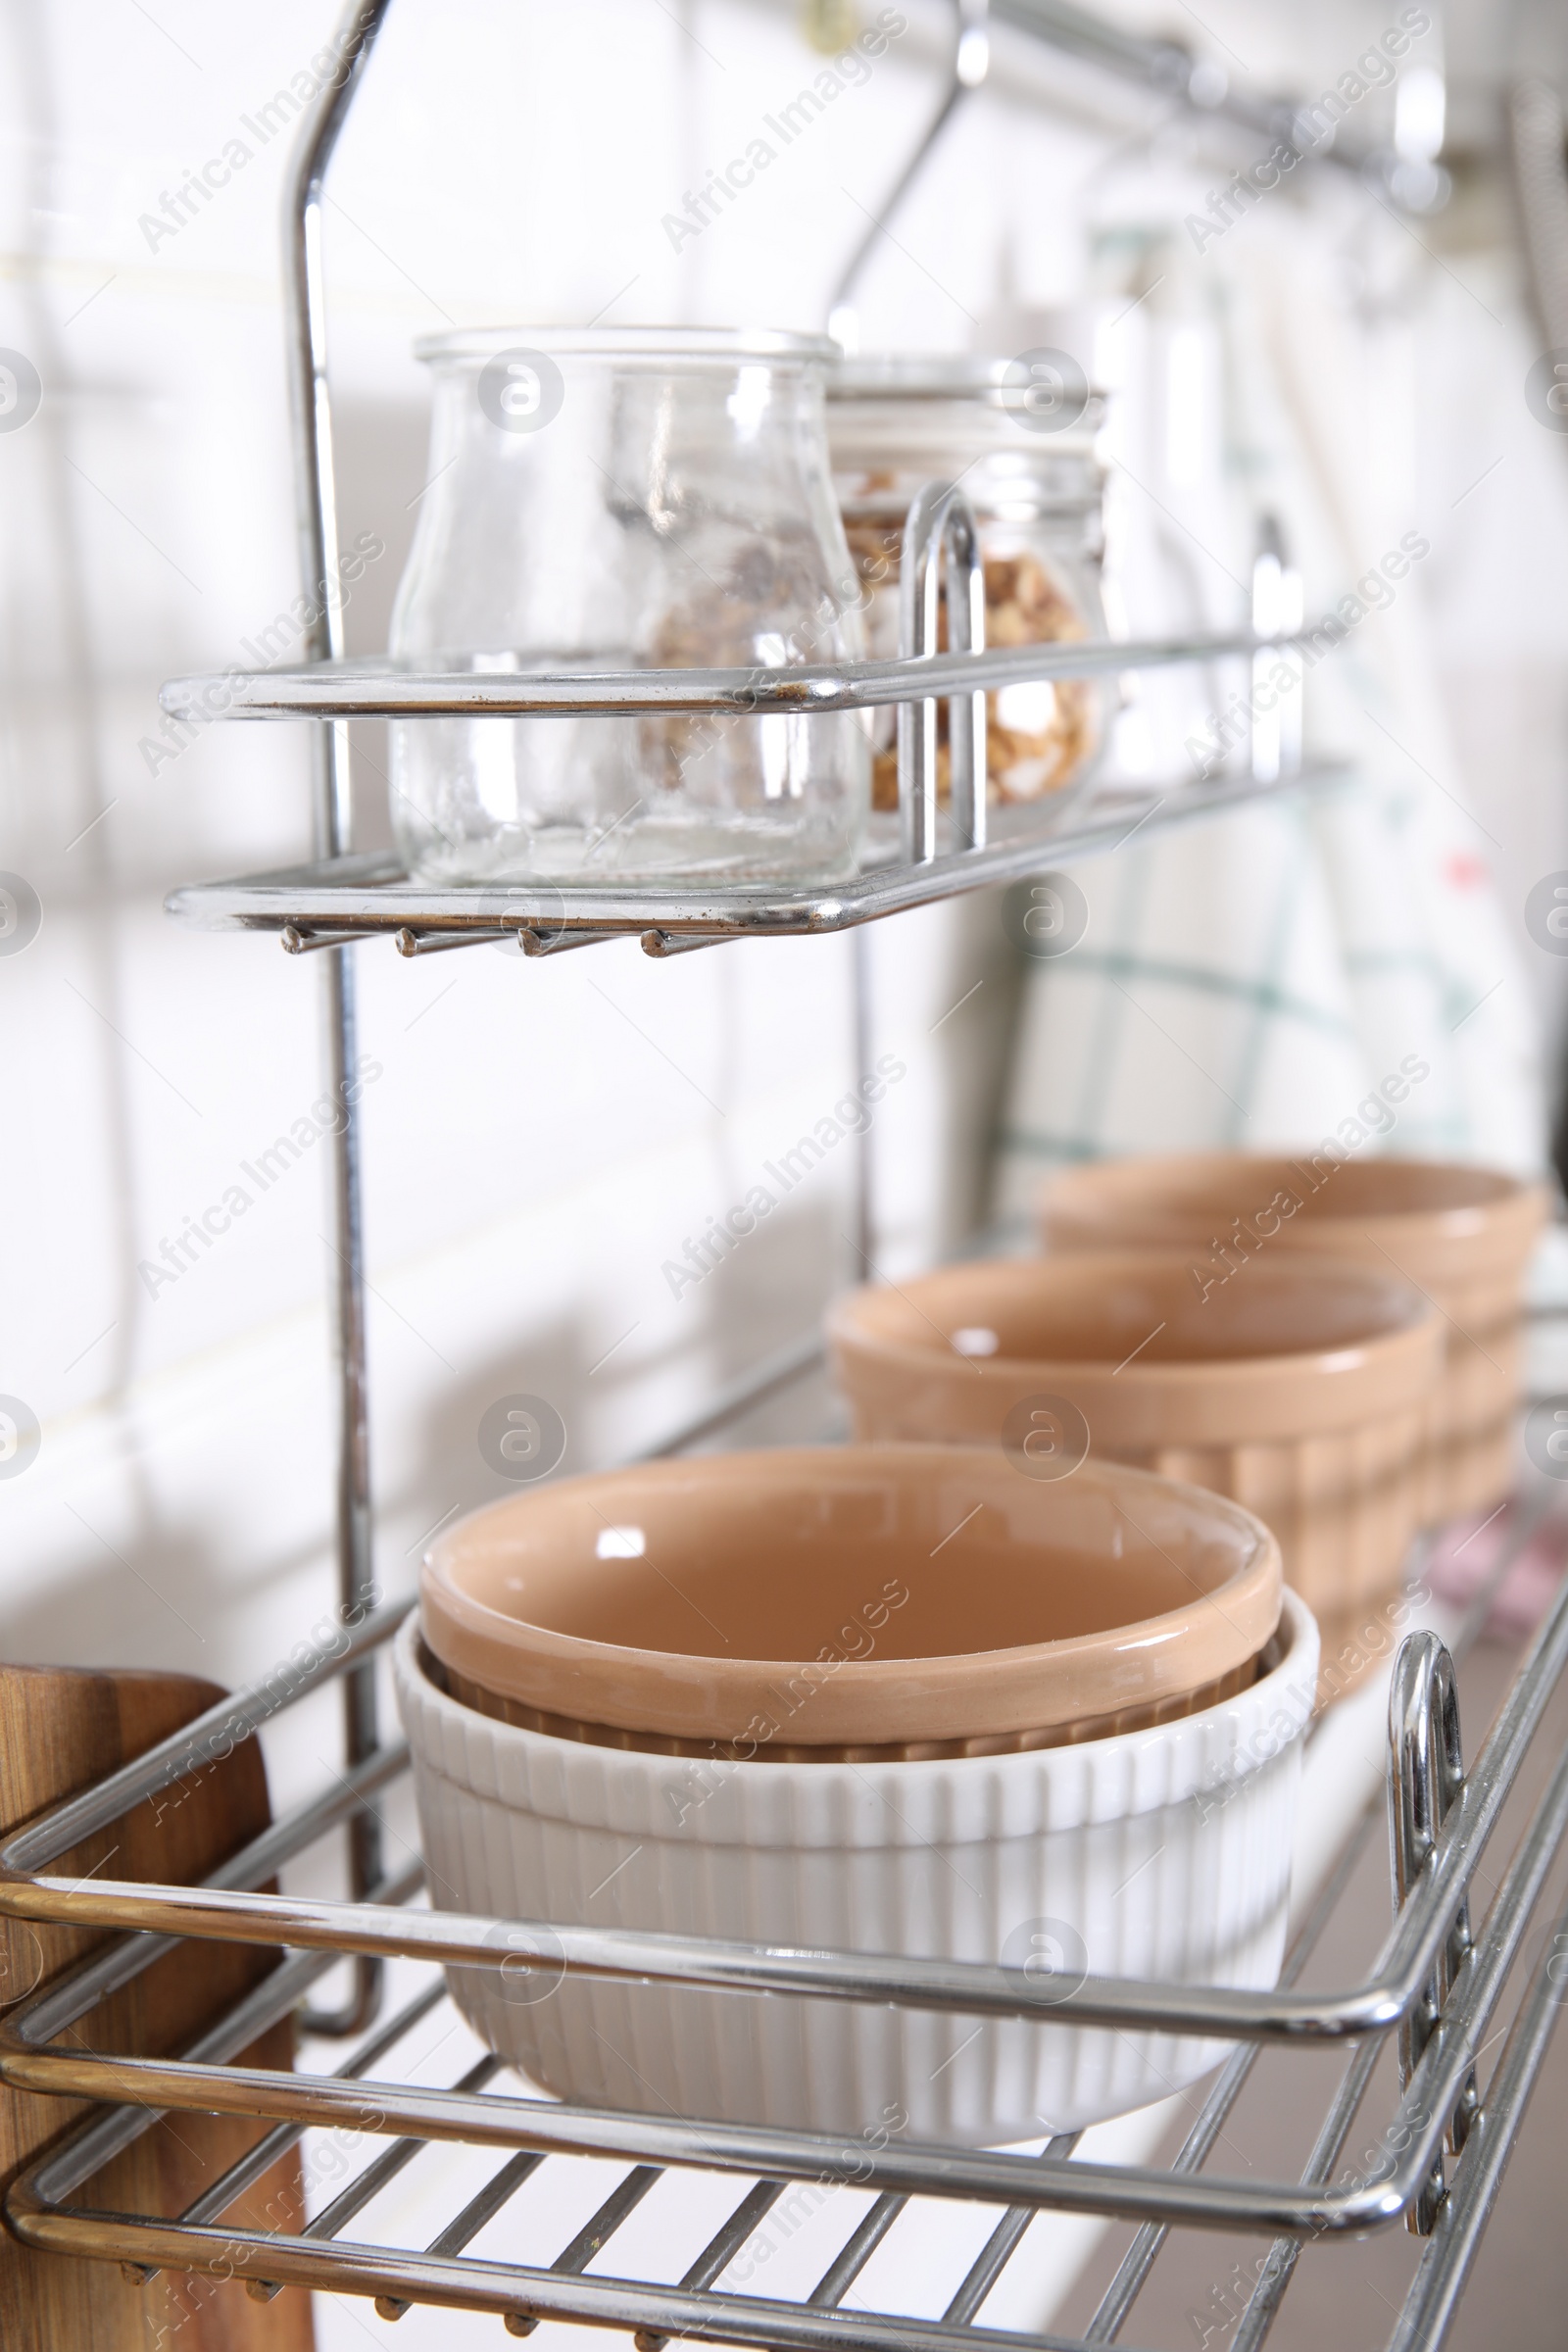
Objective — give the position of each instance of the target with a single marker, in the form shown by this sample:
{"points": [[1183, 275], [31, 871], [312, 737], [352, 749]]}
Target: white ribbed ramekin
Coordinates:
{"points": [[1162, 1853]]}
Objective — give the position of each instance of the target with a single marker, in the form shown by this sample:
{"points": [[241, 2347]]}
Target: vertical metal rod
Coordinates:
{"points": [[1426, 1773], [919, 583], [1279, 2267], [479, 2213], [1002, 2243], [863, 1229], [1119, 2298], [602, 2225], [335, 2218], [1268, 565], [221, 2193], [1291, 709], [851, 2260], [939, 527], [1434, 2293], [721, 2251], [966, 713], [971, 60], [316, 501], [1276, 724], [1139, 2259]]}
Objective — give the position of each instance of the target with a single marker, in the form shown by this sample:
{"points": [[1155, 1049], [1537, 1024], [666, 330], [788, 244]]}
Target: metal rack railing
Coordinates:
{"points": [[1443, 1847], [336, 901], [1439, 1980]]}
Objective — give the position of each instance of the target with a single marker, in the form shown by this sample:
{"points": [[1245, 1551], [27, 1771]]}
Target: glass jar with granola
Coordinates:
{"points": [[1028, 467]]}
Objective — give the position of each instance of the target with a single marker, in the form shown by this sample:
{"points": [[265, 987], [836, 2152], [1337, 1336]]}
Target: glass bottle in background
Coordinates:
{"points": [[627, 499]]}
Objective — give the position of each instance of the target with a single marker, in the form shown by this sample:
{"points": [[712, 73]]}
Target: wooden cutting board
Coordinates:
{"points": [[61, 1729]]}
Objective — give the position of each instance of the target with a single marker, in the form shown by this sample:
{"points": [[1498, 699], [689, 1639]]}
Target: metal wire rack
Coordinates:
{"points": [[1437, 1983], [1438, 2159], [336, 901]]}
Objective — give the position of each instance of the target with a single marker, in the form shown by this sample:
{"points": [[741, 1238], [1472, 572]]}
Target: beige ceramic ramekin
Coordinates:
{"points": [[880, 1601], [1298, 1390], [1461, 1233], [1162, 1853]]}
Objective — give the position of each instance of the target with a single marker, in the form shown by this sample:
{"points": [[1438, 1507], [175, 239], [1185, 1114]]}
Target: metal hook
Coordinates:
{"points": [[1426, 1774], [940, 523], [971, 61]]}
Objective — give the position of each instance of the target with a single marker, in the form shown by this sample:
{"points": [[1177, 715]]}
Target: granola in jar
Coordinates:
{"points": [[894, 424]]}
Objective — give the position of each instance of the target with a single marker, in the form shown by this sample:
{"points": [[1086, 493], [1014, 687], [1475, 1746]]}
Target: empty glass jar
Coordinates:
{"points": [[1021, 446], [628, 499]]}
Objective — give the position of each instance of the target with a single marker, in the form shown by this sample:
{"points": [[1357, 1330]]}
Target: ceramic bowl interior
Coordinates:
{"points": [[1104, 1311], [926, 1593], [1185, 1196]]}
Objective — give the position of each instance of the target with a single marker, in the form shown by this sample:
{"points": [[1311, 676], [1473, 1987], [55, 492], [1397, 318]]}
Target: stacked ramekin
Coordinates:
{"points": [[876, 1698], [1302, 1391]]}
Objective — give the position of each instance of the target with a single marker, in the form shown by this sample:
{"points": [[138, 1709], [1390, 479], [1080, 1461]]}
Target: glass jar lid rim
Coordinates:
{"points": [[667, 345], [933, 375]]}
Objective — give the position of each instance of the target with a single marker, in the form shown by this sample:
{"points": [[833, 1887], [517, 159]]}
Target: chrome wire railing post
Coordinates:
{"points": [[966, 713], [919, 581], [1276, 727], [863, 1229], [316, 501], [1426, 1773], [940, 528]]}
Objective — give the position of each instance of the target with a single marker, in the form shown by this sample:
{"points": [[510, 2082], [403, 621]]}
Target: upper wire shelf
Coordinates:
{"points": [[329, 903]]}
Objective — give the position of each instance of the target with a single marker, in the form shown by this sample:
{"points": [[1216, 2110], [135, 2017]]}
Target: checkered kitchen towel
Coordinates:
{"points": [[1248, 981]]}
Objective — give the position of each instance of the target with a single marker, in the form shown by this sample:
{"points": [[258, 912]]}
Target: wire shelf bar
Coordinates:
{"points": [[334, 902], [342, 690], [1374, 2005], [1411, 2139]]}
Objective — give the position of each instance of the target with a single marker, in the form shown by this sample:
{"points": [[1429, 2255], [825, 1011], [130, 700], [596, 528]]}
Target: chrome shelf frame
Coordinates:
{"points": [[340, 898], [1440, 1879], [329, 907], [1447, 1977]]}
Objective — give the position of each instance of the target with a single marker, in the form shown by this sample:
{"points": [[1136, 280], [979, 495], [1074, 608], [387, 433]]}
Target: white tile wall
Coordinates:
{"points": [[540, 1137]]}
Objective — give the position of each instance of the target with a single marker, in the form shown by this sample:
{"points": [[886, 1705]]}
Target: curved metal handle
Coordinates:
{"points": [[1426, 1774], [940, 524]]}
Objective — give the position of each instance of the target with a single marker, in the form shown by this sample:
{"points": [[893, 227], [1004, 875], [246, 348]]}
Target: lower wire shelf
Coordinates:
{"points": [[336, 901], [657, 2215]]}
